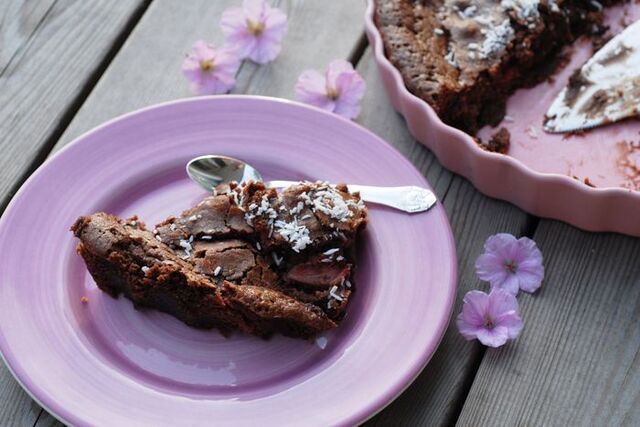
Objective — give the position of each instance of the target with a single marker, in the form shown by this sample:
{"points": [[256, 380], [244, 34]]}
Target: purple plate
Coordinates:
{"points": [[103, 363]]}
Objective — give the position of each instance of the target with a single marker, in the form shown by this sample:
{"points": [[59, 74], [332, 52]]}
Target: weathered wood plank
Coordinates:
{"points": [[437, 394], [577, 361], [50, 56], [18, 21], [49, 51], [147, 69]]}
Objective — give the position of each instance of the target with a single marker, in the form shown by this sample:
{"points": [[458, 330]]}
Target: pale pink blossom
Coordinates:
{"points": [[493, 319], [254, 30], [511, 264], [339, 90], [209, 70]]}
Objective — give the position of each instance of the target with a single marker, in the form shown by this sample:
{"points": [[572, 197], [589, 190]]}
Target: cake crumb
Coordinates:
{"points": [[84, 300], [588, 182], [499, 142]]}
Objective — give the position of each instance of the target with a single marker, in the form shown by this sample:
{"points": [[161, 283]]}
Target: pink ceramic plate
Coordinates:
{"points": [[537, 175], [104, 363]]}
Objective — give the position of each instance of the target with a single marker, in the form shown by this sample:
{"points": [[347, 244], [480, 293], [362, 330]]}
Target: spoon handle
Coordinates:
{"points": [[410, 199]]}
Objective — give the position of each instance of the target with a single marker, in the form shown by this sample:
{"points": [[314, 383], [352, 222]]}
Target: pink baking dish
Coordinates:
{"points": [[549, 195]]}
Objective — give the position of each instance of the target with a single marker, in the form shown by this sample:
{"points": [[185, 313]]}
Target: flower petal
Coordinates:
{"points": [[467, 330], [498, 242], [220, 78], [347, 110], [311, 89], [510, 284], [202, 50], [530, 281], [254, 9], [269, 44], [490, 268], [530, 268], [503, 309], [226, 62], [335, 69], [512, 322], [349, 85], [275, 24], [264, 50], [474, 309], [351, 88], [494, 337], [236, 34], [500, 302]]}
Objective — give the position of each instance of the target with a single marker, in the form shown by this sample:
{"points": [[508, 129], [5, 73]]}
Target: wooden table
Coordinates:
{"points": [[67, 66]]}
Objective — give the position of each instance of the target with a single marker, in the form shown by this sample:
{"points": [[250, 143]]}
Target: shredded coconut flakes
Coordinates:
{"points": [[186, 245], [496, 39], [294, 233]]}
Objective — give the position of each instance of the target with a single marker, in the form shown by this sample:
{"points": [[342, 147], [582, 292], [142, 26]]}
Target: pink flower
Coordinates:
{"points": [[254, 30], [339, 90], [493, 319], [210, 70], [511, 264]]}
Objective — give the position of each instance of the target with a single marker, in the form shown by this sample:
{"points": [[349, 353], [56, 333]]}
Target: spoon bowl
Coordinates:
{"points": [[210, 171]]}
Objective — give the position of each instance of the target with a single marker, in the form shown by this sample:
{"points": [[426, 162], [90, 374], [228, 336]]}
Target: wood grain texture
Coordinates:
{"points": [[48, 65], [48, 52], [577, 361], [437, 394], [18, 21]]}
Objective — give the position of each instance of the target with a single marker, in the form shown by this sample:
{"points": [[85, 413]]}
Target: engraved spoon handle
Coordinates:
{"points": [[410, 199]]}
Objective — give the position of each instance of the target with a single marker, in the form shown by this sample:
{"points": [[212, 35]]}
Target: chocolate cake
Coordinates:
{"points": [[465, 57], [246, 258]]}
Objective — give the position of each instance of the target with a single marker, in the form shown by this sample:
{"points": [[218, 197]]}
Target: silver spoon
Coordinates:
{"points": [[209, 171]]}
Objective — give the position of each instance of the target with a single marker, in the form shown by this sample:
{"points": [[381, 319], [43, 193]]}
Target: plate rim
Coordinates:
{"points": [[458, 152], [366, 412]]}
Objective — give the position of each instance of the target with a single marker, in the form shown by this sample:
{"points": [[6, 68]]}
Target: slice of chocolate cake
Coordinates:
{"points": [[229, 265], [466, 57]]}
